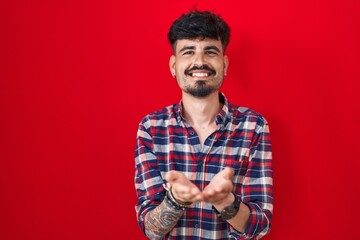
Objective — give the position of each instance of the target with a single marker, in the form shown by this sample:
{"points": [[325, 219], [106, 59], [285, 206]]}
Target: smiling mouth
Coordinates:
{"points": [[203, 71], [200, 74]]}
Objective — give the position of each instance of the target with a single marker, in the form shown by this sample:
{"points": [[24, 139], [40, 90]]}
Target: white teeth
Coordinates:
{"points": [[201, 74]]}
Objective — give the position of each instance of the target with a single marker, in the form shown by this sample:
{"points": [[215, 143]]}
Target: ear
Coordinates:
{"points": [[172, 65], [226, 64]]}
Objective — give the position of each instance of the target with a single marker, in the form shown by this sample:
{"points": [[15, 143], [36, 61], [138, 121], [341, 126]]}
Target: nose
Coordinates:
{"points": [[199, 59]]}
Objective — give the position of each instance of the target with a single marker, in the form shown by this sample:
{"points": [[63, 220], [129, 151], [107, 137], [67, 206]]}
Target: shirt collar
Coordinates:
{"points": [[220, 118]]}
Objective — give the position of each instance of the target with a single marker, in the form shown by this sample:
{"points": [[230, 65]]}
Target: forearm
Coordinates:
{"points": [[161, 220], [240, 220]]}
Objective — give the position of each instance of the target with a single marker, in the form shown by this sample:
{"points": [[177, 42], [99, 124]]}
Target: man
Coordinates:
{"points": [[203, 166]]}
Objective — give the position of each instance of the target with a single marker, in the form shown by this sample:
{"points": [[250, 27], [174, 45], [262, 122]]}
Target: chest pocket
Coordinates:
{"points": [[238, 161]]}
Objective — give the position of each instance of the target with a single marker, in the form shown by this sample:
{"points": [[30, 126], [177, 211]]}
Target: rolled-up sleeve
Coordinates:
{"points": [[148, 180], [257, 188]]}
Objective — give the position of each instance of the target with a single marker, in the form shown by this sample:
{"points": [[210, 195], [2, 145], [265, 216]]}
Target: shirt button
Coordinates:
{"points": [[200, 163], [192, 133], [196, 225]]}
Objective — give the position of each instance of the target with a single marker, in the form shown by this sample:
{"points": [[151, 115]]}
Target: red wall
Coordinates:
{"points": [[76, 77]]}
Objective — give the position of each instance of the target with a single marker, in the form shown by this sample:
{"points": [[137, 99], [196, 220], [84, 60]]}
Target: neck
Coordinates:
{"points": [[201, 112]]}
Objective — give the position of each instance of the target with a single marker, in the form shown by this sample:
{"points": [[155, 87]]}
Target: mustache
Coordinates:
{"points": [[202, 67]]}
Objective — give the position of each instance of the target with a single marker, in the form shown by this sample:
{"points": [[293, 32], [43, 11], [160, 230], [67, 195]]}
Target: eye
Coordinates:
{"points": [[211, 53], [188, 53]]}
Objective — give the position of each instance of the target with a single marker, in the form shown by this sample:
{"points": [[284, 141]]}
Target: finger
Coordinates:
{"points": [[220, 187], [199, 197], [195, 191], [190, 190], [185, 193], [195, 195], [189, 197], [228, 173], [180, 189]]}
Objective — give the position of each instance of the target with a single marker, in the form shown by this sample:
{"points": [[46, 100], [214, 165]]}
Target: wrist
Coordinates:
{"points": [[229, 211], [173, 202], [177, 200]]}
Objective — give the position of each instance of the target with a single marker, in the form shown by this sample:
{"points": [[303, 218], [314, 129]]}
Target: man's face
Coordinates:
{"points": [[199, 66]]}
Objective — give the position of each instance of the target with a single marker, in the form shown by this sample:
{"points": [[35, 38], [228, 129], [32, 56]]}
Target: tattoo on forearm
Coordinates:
{"points": [[161, 220]]}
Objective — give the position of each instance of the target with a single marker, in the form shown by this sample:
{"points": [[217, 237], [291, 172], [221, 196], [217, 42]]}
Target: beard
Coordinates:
{"points": [[201, 89]]}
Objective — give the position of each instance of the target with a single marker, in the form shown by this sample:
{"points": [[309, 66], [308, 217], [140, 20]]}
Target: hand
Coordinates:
{"points": [[219, 189], [182, 189]]}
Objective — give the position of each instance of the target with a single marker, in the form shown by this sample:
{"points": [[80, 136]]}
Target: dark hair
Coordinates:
{"points": [[196, 24]]}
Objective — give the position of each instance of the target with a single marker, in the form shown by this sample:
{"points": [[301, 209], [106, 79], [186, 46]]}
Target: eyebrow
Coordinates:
{"points": [[211, 47], [187, 48]]}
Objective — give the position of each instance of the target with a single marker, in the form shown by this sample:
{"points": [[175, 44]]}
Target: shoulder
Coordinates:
{"points": [[160, 117], [239, 115]]}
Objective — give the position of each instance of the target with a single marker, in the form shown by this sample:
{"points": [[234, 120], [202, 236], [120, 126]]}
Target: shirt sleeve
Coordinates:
{"points": [[148, 180], [257, 188]]}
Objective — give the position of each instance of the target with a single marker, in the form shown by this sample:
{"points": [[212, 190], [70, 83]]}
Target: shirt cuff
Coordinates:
{"points": [[253, 222], [251, 227]]}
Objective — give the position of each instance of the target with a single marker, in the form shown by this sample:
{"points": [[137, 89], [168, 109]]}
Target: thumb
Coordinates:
{"points": [[228, 173]]}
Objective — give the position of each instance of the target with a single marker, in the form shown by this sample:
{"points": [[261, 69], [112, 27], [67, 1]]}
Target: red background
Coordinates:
{"points": [[76, 77]]}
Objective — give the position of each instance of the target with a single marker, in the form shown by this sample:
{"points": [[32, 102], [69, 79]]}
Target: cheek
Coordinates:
{"points": [[178, 68], [220, 70], [182, 65]]}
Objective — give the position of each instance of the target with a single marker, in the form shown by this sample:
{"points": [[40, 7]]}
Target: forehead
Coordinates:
{"points": [[198, 44]]}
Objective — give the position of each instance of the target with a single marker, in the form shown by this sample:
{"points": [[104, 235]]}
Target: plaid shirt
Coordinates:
{"points": [[165, 141]]}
